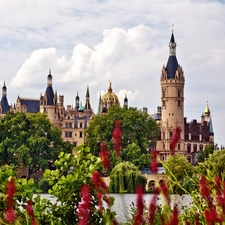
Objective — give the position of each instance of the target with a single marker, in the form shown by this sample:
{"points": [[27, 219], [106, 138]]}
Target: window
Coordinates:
{"points": [[68, 125], [171, 135], [178, 103], [81, 125], [189, 148], [178, 146], [68, 134], [75, 144], [81, 134], [178, 94], [45, 109]]}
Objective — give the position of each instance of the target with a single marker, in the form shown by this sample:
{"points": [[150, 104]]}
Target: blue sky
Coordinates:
{"points": [[90, 42]]}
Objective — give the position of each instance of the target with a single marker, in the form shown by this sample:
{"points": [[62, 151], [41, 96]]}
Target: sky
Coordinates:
{"points": [[89, 42]]}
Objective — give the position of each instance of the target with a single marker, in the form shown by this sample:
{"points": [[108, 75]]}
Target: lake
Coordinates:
{"points": [[123, 202]]}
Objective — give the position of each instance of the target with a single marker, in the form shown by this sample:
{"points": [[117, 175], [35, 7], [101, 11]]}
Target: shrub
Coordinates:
{"points": [[44, 185]]}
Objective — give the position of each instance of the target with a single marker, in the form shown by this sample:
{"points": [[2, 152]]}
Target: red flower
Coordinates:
{"points": [[10, 188], [175, 139], [29, 208], [174, 220], [138, 219], [205, 189], [84, 208], [98, 182], [197, 219], [152, 207], [153, 164], [10, 215], [117, 135], [104, 155], [30, 212], [165, 191], [211, 216]]}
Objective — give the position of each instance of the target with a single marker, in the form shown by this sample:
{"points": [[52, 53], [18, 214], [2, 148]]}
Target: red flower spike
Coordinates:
{"points": [[104, 155], [138, 219], [152, 207], [117, 135], [98, 182], [211, 216], [175, 139], [205, 189], [217, 181], [197, 219], [10, 188], [153, 164], [174, 219], [165, 191], [10, 215], [30, 212], [29, 208], [84, 208]]}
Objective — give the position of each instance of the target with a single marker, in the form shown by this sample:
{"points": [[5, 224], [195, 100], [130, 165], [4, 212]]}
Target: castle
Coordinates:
{"points": [[73, 121]]}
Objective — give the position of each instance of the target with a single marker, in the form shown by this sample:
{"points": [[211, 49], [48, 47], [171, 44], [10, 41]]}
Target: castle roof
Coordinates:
{"points": [[172, 63]]}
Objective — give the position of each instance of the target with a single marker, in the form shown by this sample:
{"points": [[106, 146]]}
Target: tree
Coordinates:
{"points": [[214, 165], [203, 155], [125, 177], [132, 153], [71, 174], [30, 140], [138, 129], [180, 174]]}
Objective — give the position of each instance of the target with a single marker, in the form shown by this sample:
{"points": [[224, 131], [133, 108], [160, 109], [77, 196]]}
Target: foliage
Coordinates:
{"points": [[71, 173], [43, 184], [214, 165], [125, 177], [138, 128], [180, 173], [132, 153], [19, 199], [30, 140], [208, 150]]}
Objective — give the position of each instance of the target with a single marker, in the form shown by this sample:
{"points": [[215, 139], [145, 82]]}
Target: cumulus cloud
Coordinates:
{"points": [[96, 41]]}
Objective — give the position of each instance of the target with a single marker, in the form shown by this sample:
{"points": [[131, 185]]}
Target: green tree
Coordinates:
{"points": [[132, 153], [204, 154], [71, 173], [125, 177], [214, 165], [30, 140], [138, 128], [180, 173]]}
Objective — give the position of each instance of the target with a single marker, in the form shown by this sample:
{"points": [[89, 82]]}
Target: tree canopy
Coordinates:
{"points": [[138, 131], [30, 140], [214, 165], [181, 174], [204, 154], [125, 177]]}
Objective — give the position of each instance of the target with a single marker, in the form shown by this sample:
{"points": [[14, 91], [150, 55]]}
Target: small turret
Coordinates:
{"points": [[87, 104], [4, 102], [77, 100], [125, 105]]}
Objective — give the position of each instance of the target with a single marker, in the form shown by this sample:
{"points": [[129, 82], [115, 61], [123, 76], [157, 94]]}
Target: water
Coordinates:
{"points": [[123, 202]]}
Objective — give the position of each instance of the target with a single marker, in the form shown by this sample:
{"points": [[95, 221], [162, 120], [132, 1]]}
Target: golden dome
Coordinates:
{"points": [[207, 111], [110, 97]]}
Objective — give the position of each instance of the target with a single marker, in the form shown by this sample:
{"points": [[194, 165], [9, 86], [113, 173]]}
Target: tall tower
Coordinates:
{"points": [[49, 102], [4, 105], [172, 97]]}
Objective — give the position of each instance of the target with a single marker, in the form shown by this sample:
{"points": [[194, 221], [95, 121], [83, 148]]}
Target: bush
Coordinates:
{"points": [[43, 184]]}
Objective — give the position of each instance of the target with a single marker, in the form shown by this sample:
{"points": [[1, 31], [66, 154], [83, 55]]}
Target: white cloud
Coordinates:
{"points": [[89, 42]]}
